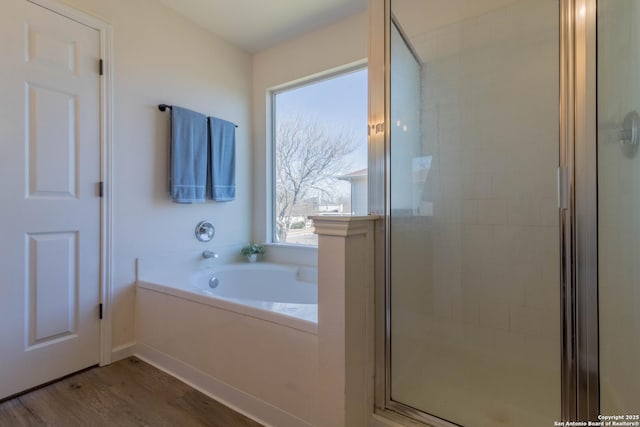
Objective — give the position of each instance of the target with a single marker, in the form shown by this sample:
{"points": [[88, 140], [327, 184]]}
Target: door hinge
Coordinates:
{"points": [[101, 66], [101, 189], [100, 311]]}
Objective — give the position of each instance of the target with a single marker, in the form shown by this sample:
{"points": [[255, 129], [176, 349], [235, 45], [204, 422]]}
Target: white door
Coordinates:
{"points": [[50, 206]]}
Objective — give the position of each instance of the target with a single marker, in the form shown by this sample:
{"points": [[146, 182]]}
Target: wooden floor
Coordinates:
{"points": [[126, 393]]}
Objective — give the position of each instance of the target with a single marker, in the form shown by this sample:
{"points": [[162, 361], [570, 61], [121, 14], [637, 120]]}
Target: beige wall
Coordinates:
{"points": [[160, 57], [335, 46]]}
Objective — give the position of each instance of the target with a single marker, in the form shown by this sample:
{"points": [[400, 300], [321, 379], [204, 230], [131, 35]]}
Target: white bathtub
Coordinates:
{"points": [[250, 341], [278, 293]]}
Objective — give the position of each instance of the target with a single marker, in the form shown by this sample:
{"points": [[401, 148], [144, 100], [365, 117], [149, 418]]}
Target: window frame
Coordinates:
{"points": [[271, 140]]}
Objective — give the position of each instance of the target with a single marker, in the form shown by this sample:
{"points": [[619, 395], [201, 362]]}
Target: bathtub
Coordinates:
{"points": [[246, 334], [283, 294]]}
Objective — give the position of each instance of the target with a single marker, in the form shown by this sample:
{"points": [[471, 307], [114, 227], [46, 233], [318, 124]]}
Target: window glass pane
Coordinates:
{"points": [[320, 150]]}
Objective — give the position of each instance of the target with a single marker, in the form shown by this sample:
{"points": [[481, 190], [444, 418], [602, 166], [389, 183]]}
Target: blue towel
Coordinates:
{"points": [[223, 159], [189, 145]]}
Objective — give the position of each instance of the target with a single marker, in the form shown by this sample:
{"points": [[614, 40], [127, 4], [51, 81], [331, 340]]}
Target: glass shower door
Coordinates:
{"points": [[619, 206], [473, 255]]}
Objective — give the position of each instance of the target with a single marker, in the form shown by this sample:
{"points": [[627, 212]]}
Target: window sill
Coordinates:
{"points": [[287, 253], [291, 245]]}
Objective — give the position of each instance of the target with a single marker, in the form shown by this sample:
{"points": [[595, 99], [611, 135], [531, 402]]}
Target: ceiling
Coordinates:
{"points": [[255, 25]]}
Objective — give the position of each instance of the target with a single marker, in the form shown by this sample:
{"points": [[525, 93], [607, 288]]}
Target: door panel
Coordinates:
{"points": [[50, 217], [52, 305], [51, 121]]}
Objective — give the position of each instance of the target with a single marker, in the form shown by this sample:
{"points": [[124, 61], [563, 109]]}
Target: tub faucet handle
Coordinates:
{"points": [[209, 254]]}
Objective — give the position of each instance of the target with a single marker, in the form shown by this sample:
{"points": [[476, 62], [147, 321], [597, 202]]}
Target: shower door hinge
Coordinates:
{"points": [[100, 311], [563, 188], [101, 66]]}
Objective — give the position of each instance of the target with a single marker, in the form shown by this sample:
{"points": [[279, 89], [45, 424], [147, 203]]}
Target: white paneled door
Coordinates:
{"points": [[50, 204]]}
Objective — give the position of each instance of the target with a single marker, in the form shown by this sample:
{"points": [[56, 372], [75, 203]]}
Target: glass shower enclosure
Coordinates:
{"points": [[474, 259], [483, 141], [618, 80]]}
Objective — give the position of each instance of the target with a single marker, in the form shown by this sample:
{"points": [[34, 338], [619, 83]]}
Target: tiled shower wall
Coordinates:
{"points": [[490, 123], [490, 250], [481, 275]]}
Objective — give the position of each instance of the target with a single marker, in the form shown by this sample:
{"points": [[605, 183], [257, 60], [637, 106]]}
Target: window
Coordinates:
{"points": [[319, 153]]}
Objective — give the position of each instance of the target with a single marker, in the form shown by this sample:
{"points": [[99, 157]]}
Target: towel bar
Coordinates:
{"points": [[163, 107]]}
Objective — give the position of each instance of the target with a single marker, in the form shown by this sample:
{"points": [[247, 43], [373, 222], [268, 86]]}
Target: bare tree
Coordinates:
{"points": [[308, 159]]}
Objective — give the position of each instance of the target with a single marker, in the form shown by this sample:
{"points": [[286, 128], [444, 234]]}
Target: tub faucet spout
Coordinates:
{"points": [[209, 254]]}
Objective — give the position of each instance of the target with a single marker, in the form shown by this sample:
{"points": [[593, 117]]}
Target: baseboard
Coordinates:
{"points": [[123, 351], [244, 403]]}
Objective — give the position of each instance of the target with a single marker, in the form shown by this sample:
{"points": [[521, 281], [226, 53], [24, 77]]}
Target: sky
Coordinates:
{"points": [[340, 103]]}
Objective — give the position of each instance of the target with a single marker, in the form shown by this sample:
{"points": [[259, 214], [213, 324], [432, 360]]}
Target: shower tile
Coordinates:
{"points": [[523, 212], [489, 161], [446, 234], [448, 209], [543, 353], [549, 324], [469, 211], [525, 320], [492, 211], [545, 183], [475, 237], [477, 186], [527, 269], [510, 343], [549, 214], [508, 291], [494, 315], [447, 273], [505, 185], [479, 338], [507, 237], [442, 309], [450, 185], [471, 315]]}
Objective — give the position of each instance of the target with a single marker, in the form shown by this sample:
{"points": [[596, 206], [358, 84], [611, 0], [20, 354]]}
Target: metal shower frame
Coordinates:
{"points": [[578, 207]]}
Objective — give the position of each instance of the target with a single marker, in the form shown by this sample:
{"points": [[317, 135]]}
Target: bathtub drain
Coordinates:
{"points": [[213, 282]]}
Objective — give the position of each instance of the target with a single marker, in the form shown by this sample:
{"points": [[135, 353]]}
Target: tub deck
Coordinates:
{"points": [[294, 314]]}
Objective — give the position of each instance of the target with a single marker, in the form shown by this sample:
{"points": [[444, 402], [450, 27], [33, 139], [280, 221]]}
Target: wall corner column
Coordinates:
{"points": [[345, 319]]}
